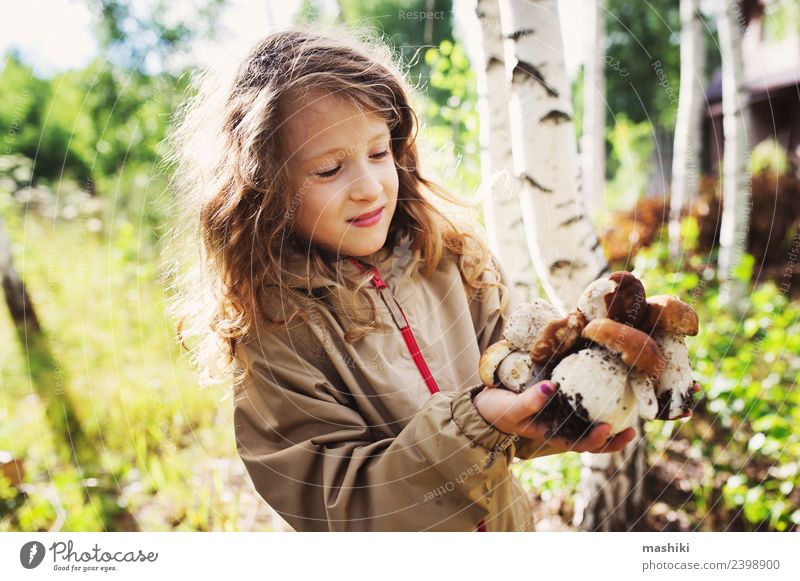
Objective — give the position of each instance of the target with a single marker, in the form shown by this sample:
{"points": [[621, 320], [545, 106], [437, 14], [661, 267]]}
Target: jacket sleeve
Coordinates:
{"points": [[314, 459], [490, 325]]}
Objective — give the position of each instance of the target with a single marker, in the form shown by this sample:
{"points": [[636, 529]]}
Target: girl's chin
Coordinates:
{"points": [[366, 245]]}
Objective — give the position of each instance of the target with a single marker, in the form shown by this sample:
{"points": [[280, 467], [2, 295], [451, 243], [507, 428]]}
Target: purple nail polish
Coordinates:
{"points": [[547, 388]]}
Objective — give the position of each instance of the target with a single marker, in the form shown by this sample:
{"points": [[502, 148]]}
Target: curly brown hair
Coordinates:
{"points": [[233, 191]]}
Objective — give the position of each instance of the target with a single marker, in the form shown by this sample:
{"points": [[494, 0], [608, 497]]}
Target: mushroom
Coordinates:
{"points": [[593, 384], [558, 337], [607, 366], [491, 359], [612, 381], [669, 320], [517, 372], [620, 297], [636, 348], [526, 322], [508, 362]]}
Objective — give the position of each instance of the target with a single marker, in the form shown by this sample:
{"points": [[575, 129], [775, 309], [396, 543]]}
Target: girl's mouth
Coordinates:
{"points": [[368, 219]]}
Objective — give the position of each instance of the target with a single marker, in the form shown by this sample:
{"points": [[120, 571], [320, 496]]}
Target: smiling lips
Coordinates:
{"points": [[367, 219]]}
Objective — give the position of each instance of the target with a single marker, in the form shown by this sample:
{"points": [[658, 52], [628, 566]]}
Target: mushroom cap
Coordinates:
{"points": [[674, 388], [636, 348], [557, 338], [490, 361], [670, 314], [627, 305], [526, 321], [592, 302], [596, 381], [620, 297]]}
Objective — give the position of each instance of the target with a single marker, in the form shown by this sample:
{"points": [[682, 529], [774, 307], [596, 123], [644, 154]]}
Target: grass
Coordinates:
{"points": [[162, 452]]}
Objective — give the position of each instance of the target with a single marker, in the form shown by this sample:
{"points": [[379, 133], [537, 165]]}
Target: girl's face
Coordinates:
{"points": [[343, 173]]}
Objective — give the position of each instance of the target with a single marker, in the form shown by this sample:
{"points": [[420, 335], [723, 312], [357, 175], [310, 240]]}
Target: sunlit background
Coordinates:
{"points": [[102, 423]]}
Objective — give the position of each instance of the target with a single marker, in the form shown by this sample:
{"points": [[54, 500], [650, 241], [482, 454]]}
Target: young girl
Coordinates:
{"points": [[353, 311]]}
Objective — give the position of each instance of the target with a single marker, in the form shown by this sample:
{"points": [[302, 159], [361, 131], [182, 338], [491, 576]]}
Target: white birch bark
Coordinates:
{"points": [[561, 238], [688, 126], [736, 202], [593, 141], [562, 241], [504, 225]]}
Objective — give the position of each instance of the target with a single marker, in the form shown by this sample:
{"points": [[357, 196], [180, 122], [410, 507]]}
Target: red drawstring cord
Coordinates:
{"points": [[408, 337]]}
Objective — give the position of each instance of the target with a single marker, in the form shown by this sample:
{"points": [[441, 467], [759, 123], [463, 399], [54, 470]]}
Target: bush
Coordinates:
{"points": [[740, 452]]}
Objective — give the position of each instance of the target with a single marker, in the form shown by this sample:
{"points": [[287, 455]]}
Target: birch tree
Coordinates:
{"points": [[688, 126], [561, 238], [562, 242], [593, 139], [735, 188], [503, 218]]}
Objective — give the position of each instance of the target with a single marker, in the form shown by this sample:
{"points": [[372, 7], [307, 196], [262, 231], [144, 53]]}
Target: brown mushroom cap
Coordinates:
{"points": [[636, 348], [490, 361], [627, 303], [557, 338], [670, 314]]}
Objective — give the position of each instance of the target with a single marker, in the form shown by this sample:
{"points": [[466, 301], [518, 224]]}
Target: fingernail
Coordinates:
{"points": [[547, 387]]}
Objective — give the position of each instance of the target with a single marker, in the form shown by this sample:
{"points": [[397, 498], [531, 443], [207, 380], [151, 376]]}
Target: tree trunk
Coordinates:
{"points": [[688, 126], [735, 188], [593, 139], [504, 224], [561, 238], [45, 373], [562, 241]]}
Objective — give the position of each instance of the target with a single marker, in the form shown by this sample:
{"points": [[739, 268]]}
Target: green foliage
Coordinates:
{"points": [[781, 18], [411, 27], [742, 437], [769, 156], [101, 127], [164, 453], [32, 124], [638, 36], [632, 150], [452, 127]]}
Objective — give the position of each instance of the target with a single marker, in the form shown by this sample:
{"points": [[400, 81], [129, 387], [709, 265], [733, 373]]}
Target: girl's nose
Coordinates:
{"points": [[366, 185]]}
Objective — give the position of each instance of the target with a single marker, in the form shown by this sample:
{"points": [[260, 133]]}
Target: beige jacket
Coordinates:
{"points": [[347, 437]]}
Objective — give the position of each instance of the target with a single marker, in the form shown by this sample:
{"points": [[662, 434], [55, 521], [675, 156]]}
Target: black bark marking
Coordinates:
{"points": [[493, 62], [517, 34], [526, 70], [570, 221], [560, 264], [535, 184], [556, 117]]}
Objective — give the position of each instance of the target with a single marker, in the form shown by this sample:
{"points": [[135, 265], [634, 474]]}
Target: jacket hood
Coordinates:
{"points": [[392, 262]]}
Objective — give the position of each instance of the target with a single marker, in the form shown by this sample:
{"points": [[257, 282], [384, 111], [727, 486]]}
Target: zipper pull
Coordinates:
{"points": [[394, 308]]}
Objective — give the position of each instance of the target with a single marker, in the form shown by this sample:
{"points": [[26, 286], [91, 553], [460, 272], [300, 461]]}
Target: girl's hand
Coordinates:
{"points": [[512, 413]]}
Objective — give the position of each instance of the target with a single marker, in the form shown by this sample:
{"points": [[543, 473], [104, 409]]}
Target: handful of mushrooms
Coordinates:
{"points": [[616, 356]]}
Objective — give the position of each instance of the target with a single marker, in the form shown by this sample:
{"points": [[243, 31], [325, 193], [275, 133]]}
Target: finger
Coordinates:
{"points": [[617, 443], [597, 438], [531, 401]]}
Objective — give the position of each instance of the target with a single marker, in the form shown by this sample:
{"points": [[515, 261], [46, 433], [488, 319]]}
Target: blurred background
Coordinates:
{"points": [[102, 423]]}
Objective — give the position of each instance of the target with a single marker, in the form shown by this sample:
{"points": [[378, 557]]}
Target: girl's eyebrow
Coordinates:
{"points": [[375, 137]]}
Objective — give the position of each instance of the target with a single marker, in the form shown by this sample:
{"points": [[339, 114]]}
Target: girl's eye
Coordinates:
{"points": [[333, 171], [328, 173]]}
